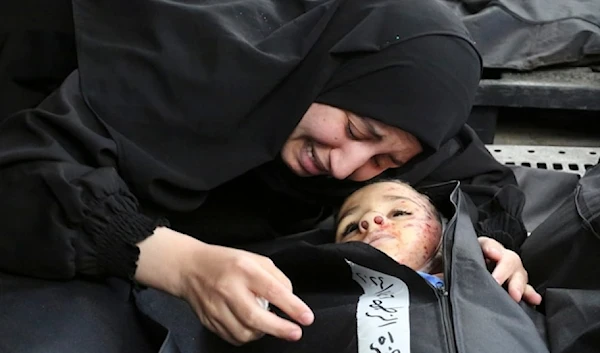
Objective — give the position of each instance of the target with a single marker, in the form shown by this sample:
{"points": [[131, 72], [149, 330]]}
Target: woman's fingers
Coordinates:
{"points": [[258, 319], [238, 317], [269, 266], [209, 321], [494, 253], [492, 250], [222, 331], [531, 296], [509, 269], [508, 265], [228, 327], [276, 288], [247, 320], [223, 285], [516, 285]]}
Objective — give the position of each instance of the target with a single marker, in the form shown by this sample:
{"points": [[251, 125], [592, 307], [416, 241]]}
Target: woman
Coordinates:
{"points": [[178, 110]]}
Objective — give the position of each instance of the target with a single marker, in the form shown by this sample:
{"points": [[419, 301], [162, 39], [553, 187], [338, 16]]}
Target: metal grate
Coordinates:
{"points": [[561, 158]]}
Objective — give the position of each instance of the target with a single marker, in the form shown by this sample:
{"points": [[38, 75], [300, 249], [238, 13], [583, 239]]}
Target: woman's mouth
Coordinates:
{"points": [[310, 162]]}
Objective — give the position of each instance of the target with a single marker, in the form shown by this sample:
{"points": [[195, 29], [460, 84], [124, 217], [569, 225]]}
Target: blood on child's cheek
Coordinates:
{"points": [[417, 239]]}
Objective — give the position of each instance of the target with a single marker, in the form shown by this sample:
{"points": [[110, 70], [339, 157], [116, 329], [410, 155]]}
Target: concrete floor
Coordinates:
{"points": [[527, 133], [539, 128]]}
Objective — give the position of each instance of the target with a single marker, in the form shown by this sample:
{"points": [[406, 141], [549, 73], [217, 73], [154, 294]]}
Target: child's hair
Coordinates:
{"points": [[424, 197]]}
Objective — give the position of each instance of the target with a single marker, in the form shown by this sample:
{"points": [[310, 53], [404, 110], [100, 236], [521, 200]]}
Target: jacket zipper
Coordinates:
{"points": [[442, 294]]}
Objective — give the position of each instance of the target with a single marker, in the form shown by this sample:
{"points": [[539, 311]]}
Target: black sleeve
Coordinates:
{"points": [[64, 209]]}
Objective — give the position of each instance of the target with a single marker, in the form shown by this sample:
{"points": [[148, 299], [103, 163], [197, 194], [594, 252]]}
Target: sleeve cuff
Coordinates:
{"points": [[115, 230]]}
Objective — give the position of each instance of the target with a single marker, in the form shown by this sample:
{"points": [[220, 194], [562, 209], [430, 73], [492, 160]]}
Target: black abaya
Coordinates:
{"points": [[174, 99]]}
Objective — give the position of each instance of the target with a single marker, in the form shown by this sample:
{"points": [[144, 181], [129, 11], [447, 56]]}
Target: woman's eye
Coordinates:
{"points": [[351, 134], [350, 228], [396, 163], [375, 161], [397, 213], [385, 161]]}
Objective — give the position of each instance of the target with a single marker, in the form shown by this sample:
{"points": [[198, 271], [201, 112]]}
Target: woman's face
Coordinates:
{"points": [[338, 143], [395, 219]]}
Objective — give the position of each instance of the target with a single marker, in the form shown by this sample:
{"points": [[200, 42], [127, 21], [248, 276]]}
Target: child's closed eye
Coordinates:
{"points": [[351, 227], [398, 213]]}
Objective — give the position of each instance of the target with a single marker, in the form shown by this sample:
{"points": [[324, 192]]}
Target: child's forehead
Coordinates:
{"points": [[380, 189], [384, 187]]}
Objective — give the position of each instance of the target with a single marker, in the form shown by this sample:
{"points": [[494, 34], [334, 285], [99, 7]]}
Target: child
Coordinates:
{"points": [[402, 223], [399, 221]]}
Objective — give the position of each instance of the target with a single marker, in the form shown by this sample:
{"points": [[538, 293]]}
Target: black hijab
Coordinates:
{"points": [[198, 93]]}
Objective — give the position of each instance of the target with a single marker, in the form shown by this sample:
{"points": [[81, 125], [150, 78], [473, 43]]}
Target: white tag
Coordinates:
{"points": [[382, 313]]}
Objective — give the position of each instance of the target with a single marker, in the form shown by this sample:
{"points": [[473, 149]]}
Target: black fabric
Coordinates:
{"points": [[37, 51], [573, 316], [496, 201], [164, 109], [561, 257], [562, 251], [173, 100], [526, 35], [483, 317], [501, 218], [321, 277], [186, 333], [417, 66], [535, 183], [73, 317], [260, 212], [271, 59], [65, 209]]}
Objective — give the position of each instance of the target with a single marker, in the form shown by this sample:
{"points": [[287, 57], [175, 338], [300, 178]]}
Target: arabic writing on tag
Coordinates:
{"points": [[378, 303], [382, 312], [381, 344]]}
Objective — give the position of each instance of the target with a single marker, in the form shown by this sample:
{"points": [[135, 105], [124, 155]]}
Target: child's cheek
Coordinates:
{"points": [[418, 242]]}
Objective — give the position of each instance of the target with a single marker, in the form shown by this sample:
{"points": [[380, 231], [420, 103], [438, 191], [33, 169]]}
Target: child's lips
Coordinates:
{"points": [[373, 238]]}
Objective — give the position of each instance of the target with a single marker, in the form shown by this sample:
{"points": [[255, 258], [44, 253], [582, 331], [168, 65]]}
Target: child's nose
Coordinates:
{"points": [[377, 219], [364, 224]]}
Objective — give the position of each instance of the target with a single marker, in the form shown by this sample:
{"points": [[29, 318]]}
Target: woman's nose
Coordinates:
{"points": [[345, 162]]}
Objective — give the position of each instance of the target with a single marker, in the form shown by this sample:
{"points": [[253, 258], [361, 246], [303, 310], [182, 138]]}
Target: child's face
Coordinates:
{"points": [[393, 218]]}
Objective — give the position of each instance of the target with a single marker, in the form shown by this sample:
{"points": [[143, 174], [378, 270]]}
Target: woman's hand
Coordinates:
{"points": [[222, 286], [508, 267]]}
